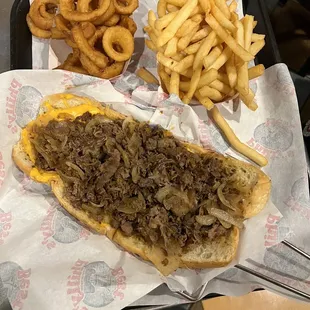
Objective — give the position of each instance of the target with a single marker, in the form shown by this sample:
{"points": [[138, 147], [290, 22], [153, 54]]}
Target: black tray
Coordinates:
{"points": [[21, 42]]}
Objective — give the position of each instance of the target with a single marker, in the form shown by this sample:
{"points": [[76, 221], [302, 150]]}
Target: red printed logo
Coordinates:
{"points": [[275, 230], [94, 284], [2, 170], [11, 104], [298, 201], [5, 225], [59, 227], [273, 139], [16, 282]]}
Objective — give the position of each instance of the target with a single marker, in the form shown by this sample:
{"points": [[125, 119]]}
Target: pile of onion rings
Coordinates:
{"points": [[100, 32]]}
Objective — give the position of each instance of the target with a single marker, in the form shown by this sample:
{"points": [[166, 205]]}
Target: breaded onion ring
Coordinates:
{"points": [[121, 37], [128, 23], [36, 31], [73, 64], [62, 24], [57, 34], [112, 21], [109, 72], [48, 10], [126, 7], [107, 15], [99, 58], [68, 12], [46, 22], [88, 31]]}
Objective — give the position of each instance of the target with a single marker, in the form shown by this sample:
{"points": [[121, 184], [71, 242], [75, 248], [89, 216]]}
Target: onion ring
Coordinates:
{"points": [[111, 71], [44, 23], [62, 24], [128, 23], [36, 31], [125, 9], [88, 31], [99, 59], [107, 15], [112, 21], [57, 34], [48, 12], [73, 64], [122, 37], [69, 13]]}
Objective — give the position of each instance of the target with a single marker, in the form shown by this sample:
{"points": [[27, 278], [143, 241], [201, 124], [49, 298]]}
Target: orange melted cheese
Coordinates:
{"points": [[70, 113]]}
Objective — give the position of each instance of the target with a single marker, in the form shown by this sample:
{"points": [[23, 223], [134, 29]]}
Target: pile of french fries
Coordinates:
{"points": [[203, 51]]}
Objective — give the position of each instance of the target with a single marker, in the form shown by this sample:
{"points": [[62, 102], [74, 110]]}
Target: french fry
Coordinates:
{"points": [[221, 60], [178, 3], [171, 48], [231, 71], [150, 45], [168, 71], [211, 93], [213, 55], [187, 27], [174, 83], [182, 15], [205, 101], [256, 47], [256, 71], [217, 41], [147, 76], [254, 24], [178, 57], [248, 30], [201, 34], [204, 50], [193, 85], [243, 79], [184, 41], [207, 77], [151, 21], [166, 61], [184, 64], [239, 35], [161, 8], [221, 4], [234, 17], [164, 21], [228, 39], [193, 48], [222, 77], [165, 78], [172, 8], [234, 141], [221, 87], [187, 73], [205, 4], [233, 6], [197, 18], [256, 37], [221, 18]]}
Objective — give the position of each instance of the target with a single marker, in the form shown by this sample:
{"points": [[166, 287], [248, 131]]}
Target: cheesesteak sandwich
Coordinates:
{"points": [[171, 203]]}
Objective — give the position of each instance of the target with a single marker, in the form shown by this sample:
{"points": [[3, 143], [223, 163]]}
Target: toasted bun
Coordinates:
{"points": [[216, 253]]}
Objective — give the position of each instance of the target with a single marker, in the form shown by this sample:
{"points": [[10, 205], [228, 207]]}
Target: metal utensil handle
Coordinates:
{"points": [[273, 281]]}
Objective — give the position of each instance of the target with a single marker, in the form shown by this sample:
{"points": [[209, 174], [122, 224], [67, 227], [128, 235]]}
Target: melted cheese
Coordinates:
{"points": [[52, 114], [43, 177]]}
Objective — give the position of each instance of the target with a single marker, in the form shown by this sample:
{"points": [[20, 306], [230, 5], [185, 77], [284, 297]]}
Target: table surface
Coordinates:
{"points": [[5, 10]]}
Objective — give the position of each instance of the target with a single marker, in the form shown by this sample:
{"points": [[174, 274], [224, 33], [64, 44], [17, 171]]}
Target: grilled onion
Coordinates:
{"points": [[223, 215]]}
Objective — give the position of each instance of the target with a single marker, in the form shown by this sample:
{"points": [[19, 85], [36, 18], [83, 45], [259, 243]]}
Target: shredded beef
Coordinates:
{"points": [[118, 167]]}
